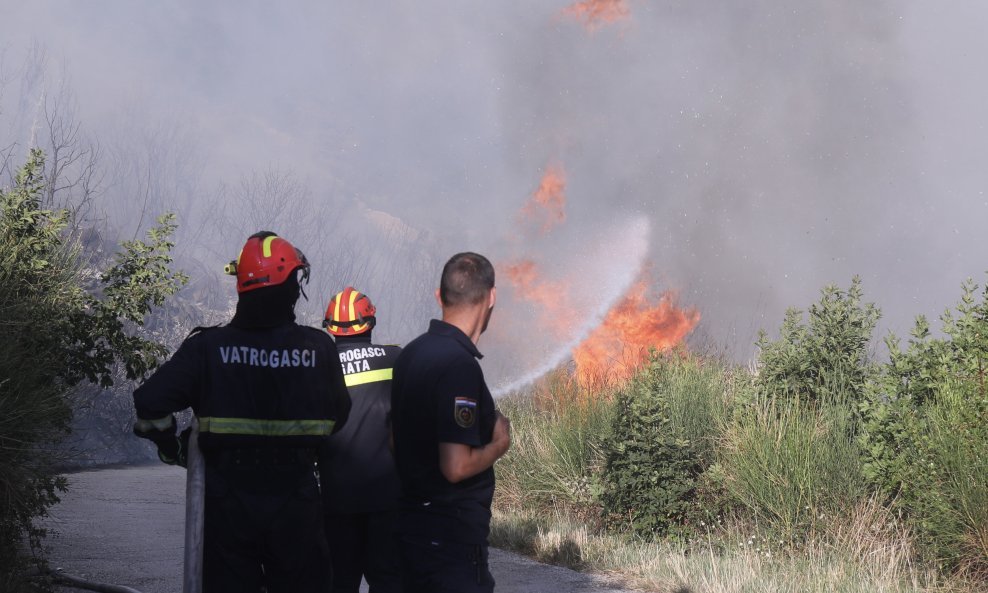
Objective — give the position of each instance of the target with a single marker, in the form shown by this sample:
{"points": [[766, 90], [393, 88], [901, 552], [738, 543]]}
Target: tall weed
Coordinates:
{"points": [[556, 454], [791, 465]]}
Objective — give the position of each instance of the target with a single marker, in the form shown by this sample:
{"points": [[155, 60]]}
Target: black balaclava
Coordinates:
{"points": [[269, 306]]}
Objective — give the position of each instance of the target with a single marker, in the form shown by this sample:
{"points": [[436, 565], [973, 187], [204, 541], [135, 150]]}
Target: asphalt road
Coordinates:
{"points": [[125, 526]]}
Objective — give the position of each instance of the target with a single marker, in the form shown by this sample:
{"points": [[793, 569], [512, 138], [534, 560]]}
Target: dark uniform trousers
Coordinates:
{"points": [[431, 566], [358, 542], [263, 525]]}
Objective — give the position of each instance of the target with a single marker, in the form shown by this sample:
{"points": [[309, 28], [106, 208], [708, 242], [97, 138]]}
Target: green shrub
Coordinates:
{"points": [[894, 408], [926, 434], [789, 457], [661, 442], [825, 359], [942, 478], [63, 324]]}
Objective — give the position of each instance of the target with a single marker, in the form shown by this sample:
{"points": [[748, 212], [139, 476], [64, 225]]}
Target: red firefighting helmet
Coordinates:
{"points": [[349, 313], [267, 260]]}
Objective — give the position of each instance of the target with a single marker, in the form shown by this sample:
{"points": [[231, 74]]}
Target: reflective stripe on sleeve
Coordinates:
{"points": [[267, 428], [368, 377]]}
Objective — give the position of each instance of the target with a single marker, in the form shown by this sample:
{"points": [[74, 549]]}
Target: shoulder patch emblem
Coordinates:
{"points": [[465, 411]]}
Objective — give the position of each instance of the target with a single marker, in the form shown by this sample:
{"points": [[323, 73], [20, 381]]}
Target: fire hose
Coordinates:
{"points": [[195, 500], [80, 583]]}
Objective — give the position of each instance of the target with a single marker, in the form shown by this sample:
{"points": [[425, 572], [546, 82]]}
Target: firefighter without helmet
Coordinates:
{"points": [[349, 313], [266, 260]]}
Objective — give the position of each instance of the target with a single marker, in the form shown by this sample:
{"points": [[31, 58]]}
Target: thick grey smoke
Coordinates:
{"points": [[772, 147]]}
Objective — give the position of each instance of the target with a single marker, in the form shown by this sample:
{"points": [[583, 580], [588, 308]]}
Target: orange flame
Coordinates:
{"points": [[635, 325], [596, 13], [551, 297], [618, 347], [549, 200]]}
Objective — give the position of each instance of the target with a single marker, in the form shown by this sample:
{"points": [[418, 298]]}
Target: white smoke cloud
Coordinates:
{"points": [[772, 147]]}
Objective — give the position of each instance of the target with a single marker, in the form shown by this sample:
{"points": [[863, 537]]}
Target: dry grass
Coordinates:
{"points": [[867, 552]]}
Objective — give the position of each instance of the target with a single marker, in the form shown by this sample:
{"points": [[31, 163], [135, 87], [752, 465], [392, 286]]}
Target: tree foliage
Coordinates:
{"points": [[826, 358], [926, 433], [660, 445], [64, 323]]}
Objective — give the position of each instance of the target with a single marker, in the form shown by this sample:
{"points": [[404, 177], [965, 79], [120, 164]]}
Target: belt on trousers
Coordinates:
{"points": [[268, 456]]}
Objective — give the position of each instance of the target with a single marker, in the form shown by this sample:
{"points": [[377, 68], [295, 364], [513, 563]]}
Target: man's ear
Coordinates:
{"points": [[493, 297], [439, 299]]}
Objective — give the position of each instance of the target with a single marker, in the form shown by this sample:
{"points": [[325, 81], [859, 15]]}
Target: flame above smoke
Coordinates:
{"points": [[550, 297], [549, 200], [596, 13]]}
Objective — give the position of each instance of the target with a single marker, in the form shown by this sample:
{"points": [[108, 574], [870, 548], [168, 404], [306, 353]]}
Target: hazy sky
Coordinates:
{"points": [[769, 147]]}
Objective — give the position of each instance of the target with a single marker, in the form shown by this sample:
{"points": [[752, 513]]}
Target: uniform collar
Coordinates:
{"points": [[441, 328], [360, 340]]}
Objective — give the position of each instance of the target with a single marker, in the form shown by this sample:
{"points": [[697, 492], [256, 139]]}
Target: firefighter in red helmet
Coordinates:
{"points": [[267, 392], [359, 482]]}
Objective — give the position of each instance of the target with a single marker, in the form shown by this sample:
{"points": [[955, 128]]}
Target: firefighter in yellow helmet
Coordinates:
{"points": [[357, 473], [267, 393]]}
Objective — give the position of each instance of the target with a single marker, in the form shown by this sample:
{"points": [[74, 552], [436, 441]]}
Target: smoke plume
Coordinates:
{"points": [[746, 153]]}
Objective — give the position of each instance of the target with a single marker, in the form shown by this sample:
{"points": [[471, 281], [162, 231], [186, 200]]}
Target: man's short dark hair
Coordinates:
{"points": [[467, 279]]}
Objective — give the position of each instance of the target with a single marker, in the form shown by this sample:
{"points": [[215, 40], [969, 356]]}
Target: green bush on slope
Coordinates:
{"points": [[62, 326], [926, 434], [789, 457], [660, 444]]}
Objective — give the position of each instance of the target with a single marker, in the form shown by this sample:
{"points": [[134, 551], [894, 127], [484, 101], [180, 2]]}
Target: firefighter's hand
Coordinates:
{"points": [[155, 430], [183, 447], [172, 449], [175, 450], [169, 451], [161, 432], [502, 431]]}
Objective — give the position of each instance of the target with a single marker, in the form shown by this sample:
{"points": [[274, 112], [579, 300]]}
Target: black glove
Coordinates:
{"points": [[172, 449], [175, 450], [183, 447]]}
